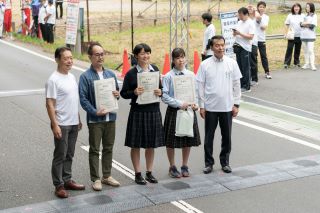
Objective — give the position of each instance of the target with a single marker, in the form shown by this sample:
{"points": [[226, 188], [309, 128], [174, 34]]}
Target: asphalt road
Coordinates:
{"points": [[26, 144]]}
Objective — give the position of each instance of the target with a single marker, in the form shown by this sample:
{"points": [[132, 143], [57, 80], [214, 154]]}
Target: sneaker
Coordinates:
{"points": [[286, 66], [110, 181], [173, 172], [268, 76], [313, 68], [207, 169], [185, 171], [244, 90], [226, 169], [306, 66], [97, 186], [149, 177], [254, 83], [139, 179]]}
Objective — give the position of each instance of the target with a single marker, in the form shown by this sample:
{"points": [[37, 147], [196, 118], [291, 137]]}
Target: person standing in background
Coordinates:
{"points": [[2, 9], [42, 22], [26, 17], [263, 21], [35, 6], [59, 3], [254, 48], [208, 34], [308, 36], [50, 20], [8, 18], [293, 22]]}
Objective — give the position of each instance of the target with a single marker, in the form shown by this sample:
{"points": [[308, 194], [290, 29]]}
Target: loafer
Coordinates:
{"points": [[140, 180], [173, 172], [207, 169], [72, 185], [61, 192], [226, 169], [149, 177], [185, 171], [97, 186], [110, 181]]}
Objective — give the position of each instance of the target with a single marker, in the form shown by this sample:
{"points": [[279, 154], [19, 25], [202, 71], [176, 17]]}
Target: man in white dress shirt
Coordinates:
{"points": [[218, 82], [208, 34]]}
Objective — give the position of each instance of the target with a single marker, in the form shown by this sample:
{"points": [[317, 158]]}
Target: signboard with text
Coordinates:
{"points": [[72, 21], [229, 21]]}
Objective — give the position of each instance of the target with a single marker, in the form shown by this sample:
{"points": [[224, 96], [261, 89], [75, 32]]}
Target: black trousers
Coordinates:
{"points": [[296, 44], [43, 29], [254, 63], [225, 122], [243, 60], [49, 33], [36, 21], [59, 4], [263, 55]]}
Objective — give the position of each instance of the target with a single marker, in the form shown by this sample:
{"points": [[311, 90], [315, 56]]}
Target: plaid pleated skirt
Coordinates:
{"points": [[144, 130], [173, 141]]}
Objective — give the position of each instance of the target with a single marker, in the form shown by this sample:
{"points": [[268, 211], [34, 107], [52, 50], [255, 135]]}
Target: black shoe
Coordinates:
{"points": [[226, 169], [207, 170], [149, 177], [140, 180]]}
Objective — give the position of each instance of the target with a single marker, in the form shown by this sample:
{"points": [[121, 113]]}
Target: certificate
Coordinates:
{"points": [[103, 92], [184, 88], [150, 82]]}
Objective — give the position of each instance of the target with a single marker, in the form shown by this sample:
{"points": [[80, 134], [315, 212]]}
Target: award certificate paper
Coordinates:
{"points": [[150, 82], [104, 98], [184, 88]]}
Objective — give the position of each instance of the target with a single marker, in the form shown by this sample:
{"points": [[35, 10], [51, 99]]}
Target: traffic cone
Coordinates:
{"points": [[166, 65], [196, 61], [125, 63]]}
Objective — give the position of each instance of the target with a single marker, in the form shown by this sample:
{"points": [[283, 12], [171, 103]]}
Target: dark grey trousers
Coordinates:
{"points": [[63, 154], [211, 122]]}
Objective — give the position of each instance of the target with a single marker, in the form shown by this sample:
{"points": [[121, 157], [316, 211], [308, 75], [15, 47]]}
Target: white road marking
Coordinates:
{"points": [[282, 105], [21, 92], [185, 206], [278, 134]]}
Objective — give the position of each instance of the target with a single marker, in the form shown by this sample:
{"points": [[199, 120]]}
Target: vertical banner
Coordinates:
{"points": [[229, 21], [72, 21]]}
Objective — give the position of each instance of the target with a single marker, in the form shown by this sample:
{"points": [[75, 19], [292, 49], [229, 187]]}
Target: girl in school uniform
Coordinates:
{"points": [[144, 127], [172, 141]]}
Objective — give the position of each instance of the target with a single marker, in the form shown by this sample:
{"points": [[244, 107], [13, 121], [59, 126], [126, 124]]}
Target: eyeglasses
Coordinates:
{"points": [[99, 55]]}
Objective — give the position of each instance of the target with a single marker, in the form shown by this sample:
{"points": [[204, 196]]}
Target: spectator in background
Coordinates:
{"points": [[35, 6], [8, 17], [308, 36], [293, 22], [208, 34], [2, 9], [263, 21], [50, 21], [59, 3], [254, 47], [244, 33], [42, 22], [26, 17]]}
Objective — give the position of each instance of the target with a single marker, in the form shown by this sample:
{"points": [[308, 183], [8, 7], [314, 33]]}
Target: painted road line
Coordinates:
{"points": [[278, 134], [10, 93], [279, 105], [131, 174], [185, 206]]}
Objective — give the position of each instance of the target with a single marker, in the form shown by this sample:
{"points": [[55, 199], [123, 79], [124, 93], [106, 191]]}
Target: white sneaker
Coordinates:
{"points": [[313, 68], [268, 76], [110, 181], [306, 66], [97, 186]]}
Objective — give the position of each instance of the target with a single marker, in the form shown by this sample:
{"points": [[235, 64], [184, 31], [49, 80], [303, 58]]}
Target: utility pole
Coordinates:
{"points": [[179, 25], [88, 22]]}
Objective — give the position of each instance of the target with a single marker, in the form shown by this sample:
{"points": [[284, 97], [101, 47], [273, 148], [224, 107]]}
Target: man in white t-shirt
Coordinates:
{"points": [[218, 82], [50, 20], [2, 9], [244, 34], [208, 34], [263, 21], [62, 101]]}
